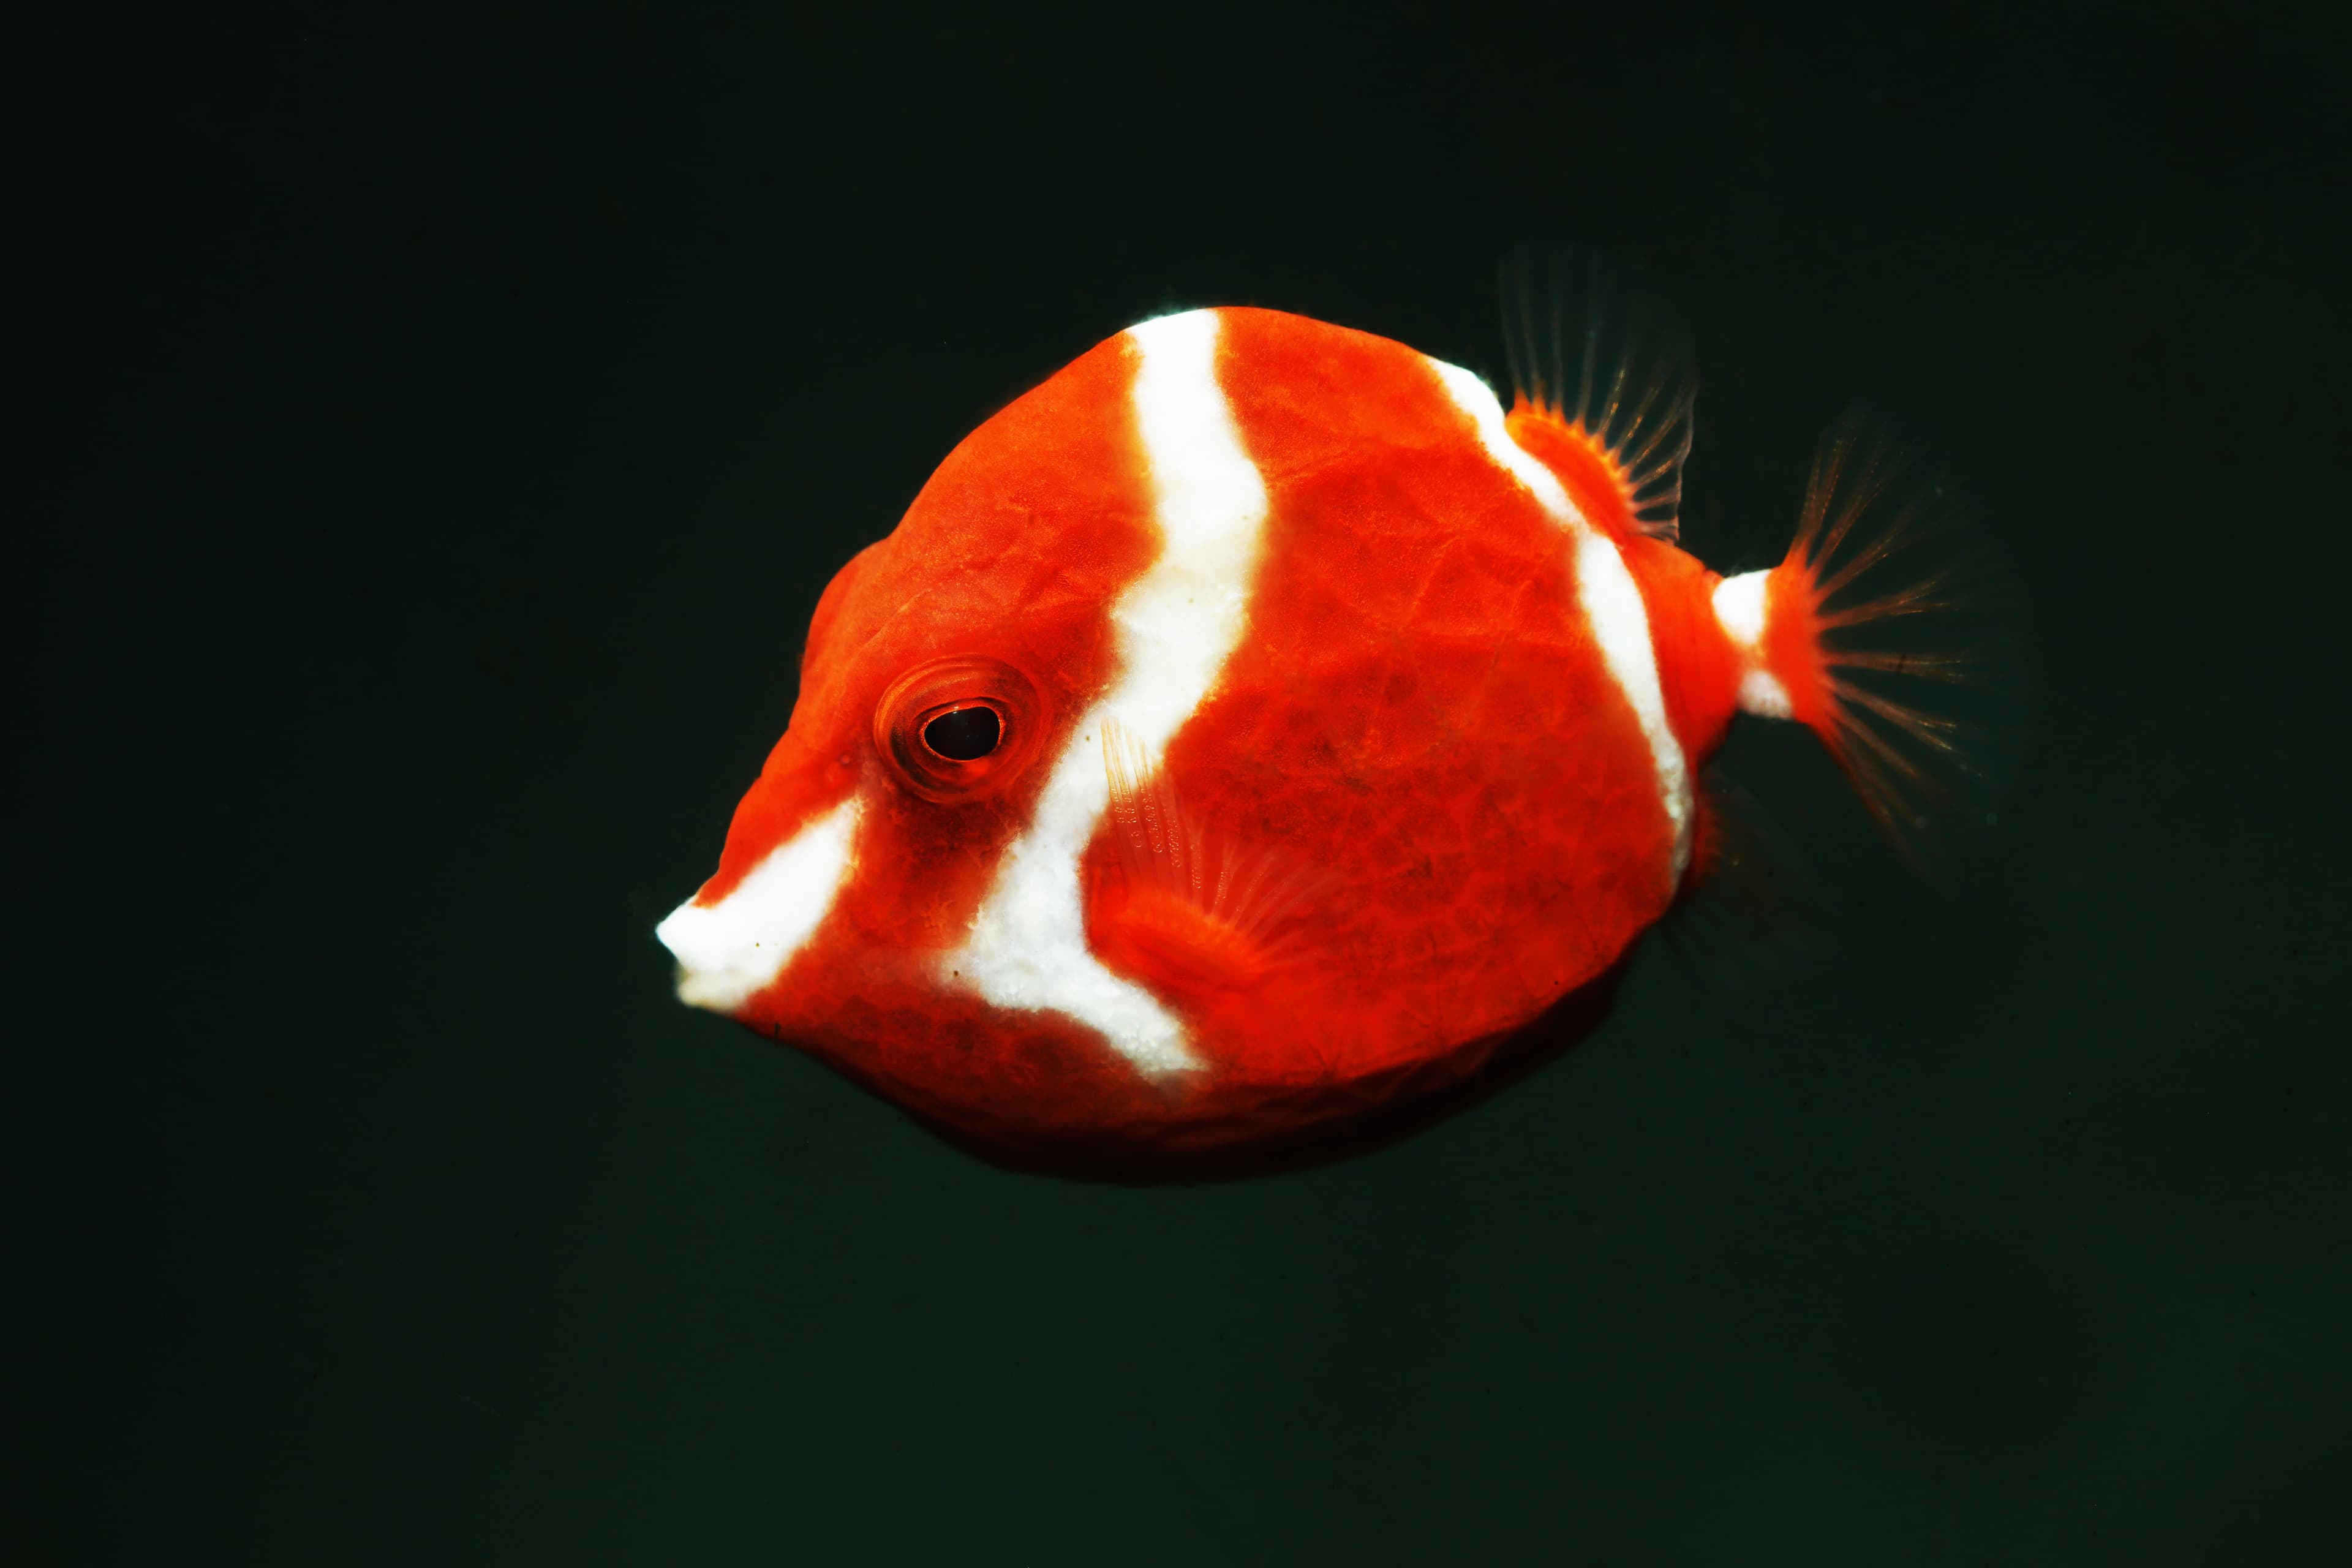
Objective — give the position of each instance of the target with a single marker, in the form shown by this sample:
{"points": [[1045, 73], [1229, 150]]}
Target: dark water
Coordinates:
{"points": [[458, 421]]}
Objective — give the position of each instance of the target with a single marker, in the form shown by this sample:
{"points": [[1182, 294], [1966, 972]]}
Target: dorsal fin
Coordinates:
{"points": [[1191, 907], [1594, 352]]}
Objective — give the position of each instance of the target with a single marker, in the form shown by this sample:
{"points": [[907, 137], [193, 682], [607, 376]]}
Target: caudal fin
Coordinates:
{"points": [[1890, 631]]}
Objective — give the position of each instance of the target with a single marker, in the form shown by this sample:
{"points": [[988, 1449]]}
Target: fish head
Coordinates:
{"points": [[947, 671]]}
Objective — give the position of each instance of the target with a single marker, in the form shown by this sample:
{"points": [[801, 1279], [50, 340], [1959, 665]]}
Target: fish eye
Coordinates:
{"points": [[963, 734], [960, 728]]}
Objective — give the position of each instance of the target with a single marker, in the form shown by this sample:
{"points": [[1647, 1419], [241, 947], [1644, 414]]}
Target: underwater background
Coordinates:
{"points": [[444, 426]]}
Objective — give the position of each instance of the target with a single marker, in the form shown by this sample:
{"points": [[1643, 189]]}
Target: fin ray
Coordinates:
{"points": [[1183, 902], [1907, 632], [1589, 351]]}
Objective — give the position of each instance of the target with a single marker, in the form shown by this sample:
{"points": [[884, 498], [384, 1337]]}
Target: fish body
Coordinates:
{"points": [[1252, 726]]}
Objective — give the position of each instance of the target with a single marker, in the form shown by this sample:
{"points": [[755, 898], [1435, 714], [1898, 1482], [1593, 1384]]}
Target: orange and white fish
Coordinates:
{"points": [[1254, 726]]}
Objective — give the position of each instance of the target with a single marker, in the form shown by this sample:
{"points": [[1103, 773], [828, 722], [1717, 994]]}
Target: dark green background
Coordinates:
{"points": [[457, 421]]}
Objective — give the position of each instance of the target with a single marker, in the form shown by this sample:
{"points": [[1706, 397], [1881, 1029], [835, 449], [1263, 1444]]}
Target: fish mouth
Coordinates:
{"points": [[716, 968], [731, 948]]}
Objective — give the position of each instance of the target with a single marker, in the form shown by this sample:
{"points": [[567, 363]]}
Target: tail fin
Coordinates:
{"points": [[1890, 631]]}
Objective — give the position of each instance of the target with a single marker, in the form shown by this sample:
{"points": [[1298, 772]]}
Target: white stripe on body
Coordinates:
{"points": [[1612, 602], [728, 951], [1176, 624], [1739, 609]]}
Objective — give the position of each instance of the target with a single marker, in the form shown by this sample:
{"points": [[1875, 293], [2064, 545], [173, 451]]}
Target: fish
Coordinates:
{"points": [[1250, 732]]}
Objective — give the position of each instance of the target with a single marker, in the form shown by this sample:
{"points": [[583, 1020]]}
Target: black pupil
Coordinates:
{"points": [[964, 735]]}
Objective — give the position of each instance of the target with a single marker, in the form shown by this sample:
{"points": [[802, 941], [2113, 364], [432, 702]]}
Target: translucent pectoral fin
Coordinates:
{"points": [[1179, 903]]}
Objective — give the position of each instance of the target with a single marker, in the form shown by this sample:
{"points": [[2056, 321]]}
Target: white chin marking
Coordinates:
{"points": [[730, 951], [1176, 624], [1612, 602]]}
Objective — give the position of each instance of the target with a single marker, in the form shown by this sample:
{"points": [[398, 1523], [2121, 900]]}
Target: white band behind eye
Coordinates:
{"points": [[1177, 625]]}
